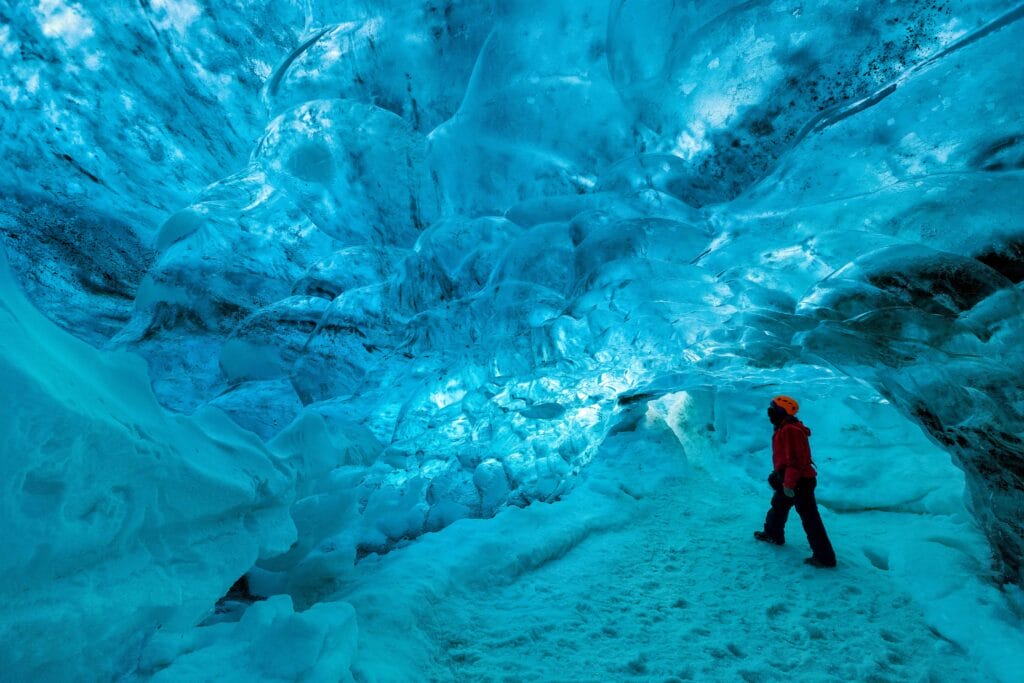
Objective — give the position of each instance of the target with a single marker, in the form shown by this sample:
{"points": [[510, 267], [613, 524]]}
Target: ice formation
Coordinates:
{"points": [[397, 268]]}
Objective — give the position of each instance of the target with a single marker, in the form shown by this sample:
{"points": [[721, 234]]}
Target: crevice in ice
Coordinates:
{"points": [[275, 80], [232, 605]]}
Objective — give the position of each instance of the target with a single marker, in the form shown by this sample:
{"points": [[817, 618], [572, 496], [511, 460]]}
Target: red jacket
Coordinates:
{"points": [[791, 453]]}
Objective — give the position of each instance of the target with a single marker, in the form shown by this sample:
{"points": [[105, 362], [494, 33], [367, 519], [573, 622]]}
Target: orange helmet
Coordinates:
{"points": [[787, 404]]}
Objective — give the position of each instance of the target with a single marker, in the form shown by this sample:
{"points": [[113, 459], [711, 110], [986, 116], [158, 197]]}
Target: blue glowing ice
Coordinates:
{"points": [[428, 256]]}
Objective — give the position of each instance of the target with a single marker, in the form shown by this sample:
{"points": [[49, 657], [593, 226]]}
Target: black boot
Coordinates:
{"points": [[762, 536], [819, 564]]}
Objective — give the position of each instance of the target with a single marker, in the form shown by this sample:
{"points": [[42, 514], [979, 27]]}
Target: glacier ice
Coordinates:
{"points": [[119, 519], [429, 255]]}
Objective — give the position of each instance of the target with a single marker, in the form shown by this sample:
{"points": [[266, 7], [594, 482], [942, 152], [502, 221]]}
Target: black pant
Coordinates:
{"points": [[807, 508]]}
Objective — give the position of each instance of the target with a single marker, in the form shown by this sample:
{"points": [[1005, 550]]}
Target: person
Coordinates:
{"points": [[794, 479]]}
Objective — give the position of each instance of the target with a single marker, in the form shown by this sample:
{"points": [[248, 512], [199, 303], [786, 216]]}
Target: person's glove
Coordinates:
{"points": [[774, 480], [789, 492]]}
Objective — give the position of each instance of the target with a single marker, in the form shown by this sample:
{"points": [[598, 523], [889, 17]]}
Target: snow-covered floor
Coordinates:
{"points": [[685, 593], [648, 571]]}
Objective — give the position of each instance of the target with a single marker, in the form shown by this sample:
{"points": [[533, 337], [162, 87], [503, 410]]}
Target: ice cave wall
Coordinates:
{"points": [[119, 518], [469, 236]]}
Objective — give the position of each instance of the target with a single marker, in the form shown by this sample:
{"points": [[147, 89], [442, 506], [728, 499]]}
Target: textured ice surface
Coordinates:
{"points": [[118, 519], [433, 253], [487, 291]]}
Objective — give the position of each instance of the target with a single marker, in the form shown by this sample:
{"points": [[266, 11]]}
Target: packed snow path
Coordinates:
{"points": [[686, 593], [678, 590]]}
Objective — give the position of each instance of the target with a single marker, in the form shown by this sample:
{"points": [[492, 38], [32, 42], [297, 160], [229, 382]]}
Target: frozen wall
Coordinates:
{"points": [[119, 519]]}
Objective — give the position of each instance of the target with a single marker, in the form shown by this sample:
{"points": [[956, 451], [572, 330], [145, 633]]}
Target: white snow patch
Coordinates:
{"points": [[66, 21], [177, 14], [8, 46]]}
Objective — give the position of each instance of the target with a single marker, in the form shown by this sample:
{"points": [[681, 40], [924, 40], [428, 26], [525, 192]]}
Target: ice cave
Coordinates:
{"points": [[433, 340]]}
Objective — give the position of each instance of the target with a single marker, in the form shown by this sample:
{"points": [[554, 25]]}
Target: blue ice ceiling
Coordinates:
{"points": [[450, 246]]}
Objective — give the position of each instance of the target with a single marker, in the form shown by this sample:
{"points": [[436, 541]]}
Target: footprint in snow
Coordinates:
{"points": [[889, 636]]}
